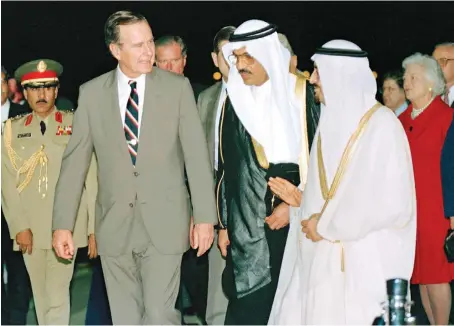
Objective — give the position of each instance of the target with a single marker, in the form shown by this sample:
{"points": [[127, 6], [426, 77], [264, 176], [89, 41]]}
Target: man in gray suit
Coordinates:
{"points": [[142, 209], [210, 104]]}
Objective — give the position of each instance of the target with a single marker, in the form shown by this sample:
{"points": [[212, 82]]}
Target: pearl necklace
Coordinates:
{"points": [[416, 112]]}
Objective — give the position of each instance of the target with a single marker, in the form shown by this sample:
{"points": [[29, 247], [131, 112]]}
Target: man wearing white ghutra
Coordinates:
{"points": [[262, 137]]}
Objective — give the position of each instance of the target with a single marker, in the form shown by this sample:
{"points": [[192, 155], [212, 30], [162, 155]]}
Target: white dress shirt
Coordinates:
{"points": [[124, 90], [5, 112], [451, 95], [222, 98]]}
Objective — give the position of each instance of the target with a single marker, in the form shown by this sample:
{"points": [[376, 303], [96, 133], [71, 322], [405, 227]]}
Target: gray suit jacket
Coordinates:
{"points": [[171, 136], [207, 105]]}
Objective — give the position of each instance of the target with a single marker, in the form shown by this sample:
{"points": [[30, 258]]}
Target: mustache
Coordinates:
{"points": [[244, 71], [41, 101]]}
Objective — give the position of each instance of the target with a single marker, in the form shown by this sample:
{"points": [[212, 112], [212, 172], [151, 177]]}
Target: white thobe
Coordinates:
{"points": [[373, 214]]}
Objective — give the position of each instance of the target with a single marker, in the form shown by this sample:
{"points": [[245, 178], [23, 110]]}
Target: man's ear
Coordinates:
{"points": [[214, 57], [115, 50]]}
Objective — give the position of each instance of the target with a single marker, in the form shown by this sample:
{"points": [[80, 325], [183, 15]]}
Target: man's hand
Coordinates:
{"points": [[223, 241], [25, 241], [92, 250], [279, 218], [310, 229], [452, 222], [286, 191], [63, 244], [191, 233], [203, 237]]}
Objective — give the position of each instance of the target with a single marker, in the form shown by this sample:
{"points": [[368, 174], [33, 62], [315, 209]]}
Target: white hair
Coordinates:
{"points": [[432, 70]]}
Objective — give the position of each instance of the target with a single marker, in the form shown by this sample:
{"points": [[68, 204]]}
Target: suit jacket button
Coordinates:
{"points": [[131, 205], [136, 174]]}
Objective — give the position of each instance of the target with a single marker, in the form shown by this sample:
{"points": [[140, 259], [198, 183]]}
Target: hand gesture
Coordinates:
{"points": [[286, 191], [25, 241], [223, 242], [203, 237], [310, 229], [279, 218], [63, 244]]}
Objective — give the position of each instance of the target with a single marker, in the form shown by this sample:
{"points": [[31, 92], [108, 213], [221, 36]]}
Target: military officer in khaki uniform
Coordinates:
{"points": [[32, 152]]}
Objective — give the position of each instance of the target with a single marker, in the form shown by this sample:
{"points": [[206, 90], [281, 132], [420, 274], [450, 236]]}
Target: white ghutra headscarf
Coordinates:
{"points": [[349, 89], [270, 112]]}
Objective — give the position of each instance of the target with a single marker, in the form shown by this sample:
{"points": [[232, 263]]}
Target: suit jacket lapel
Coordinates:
{"points": [[112, 121], [210, 126]]}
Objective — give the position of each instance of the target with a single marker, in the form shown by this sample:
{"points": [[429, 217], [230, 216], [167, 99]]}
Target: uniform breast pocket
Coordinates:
{"points": [[25, 147], [61, 140]]}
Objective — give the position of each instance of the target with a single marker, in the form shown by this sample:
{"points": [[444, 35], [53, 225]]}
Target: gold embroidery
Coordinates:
{"points": [[222, 159], [260, 153], [29, 165], [328, 193], [300, 91]]}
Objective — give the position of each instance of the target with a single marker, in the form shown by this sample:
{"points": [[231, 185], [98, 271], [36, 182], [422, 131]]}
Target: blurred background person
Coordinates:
{"points": [[15, 92], [171, 55], [393, 92], [426, 122], [444, 54]]}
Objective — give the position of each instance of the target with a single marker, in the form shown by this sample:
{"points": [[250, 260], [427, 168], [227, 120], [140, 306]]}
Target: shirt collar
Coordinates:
{"points": [[451, 94], [7, 105], [123, 79], [401, 108]]}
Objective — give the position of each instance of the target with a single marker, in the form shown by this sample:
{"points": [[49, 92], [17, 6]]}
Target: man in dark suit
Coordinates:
{"points": [[171, 55], [16, 293], [210, 104]]}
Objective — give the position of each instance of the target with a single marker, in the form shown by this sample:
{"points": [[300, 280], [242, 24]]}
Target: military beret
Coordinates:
{"points": [[39, 71]]}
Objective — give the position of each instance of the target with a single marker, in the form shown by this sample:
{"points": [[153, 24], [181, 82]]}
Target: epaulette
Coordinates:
{"points": [[19, 116]]}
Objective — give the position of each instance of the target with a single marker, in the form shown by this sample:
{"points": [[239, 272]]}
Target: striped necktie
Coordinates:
{"points": [[132, 122]]}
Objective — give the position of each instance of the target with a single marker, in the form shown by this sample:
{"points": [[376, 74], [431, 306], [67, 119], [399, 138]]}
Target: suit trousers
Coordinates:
{"points": [[50, 278], [217, 300], [98, 310], [142, 286]]}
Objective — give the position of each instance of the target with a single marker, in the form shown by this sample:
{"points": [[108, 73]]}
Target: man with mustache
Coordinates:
{"points": [[32, 152], [261, 135], [142, 123]]}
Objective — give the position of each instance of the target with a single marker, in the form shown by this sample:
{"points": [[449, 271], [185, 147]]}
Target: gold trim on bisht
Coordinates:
{"points": [[300, 91], [260, 153], [28, 167], [329, 193]]}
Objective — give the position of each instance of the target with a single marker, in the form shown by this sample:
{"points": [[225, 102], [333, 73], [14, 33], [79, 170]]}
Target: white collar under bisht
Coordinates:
{"points": [[349, 89], [270, 112]]}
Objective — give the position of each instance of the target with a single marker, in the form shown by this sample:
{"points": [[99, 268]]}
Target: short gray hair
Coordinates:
{"points": [[170, 39], [432, 70], [444, 44], [122, 17]]}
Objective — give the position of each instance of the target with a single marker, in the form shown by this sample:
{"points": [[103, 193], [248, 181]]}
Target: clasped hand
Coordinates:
{"points": [[309, 227]]}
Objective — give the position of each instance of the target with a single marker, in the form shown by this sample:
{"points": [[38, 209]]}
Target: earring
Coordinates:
{"points": [[430, 89]]}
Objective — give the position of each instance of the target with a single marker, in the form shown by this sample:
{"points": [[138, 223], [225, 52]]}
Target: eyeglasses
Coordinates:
{"points": [[246, 57], [444, 61]]}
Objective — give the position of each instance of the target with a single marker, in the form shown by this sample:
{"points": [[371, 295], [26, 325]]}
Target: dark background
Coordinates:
{"points": [[72, 32]]}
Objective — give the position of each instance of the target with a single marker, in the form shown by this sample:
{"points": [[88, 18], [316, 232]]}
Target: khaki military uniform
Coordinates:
{"points": [[30, 170]]}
